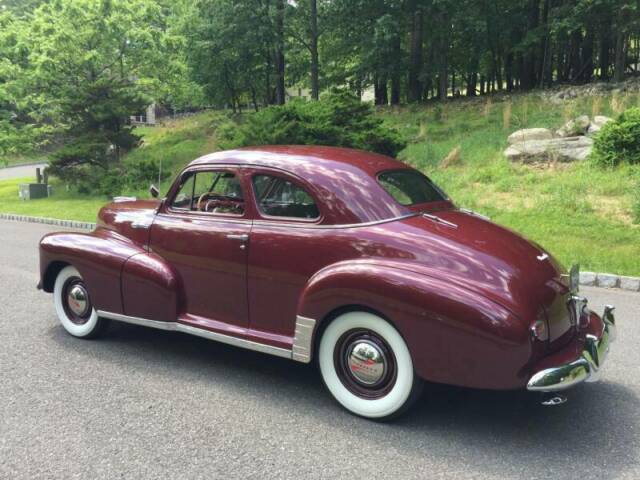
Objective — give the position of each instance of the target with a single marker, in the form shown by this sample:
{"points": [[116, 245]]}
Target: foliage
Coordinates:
{"points": [[95, 66], [619, 141], [338, 119]]}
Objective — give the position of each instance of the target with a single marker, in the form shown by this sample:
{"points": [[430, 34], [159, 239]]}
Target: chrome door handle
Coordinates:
{"points": [[243, 237]]}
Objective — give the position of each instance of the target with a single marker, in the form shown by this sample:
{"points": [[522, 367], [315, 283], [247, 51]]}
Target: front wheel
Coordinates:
{"points": [[367, 367], [73, 305]]}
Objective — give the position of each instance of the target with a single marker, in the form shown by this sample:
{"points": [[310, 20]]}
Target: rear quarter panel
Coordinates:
{"points": [[455, 336]]}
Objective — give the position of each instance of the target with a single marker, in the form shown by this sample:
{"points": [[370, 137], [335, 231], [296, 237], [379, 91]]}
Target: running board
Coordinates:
{"points": [[301, 351]]}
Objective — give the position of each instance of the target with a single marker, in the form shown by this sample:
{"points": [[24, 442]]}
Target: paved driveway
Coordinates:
{"points": [[150, 404], [21, 171]]}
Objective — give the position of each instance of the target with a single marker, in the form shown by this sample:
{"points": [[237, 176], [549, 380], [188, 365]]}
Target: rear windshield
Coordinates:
{"points": [[410, 187]]}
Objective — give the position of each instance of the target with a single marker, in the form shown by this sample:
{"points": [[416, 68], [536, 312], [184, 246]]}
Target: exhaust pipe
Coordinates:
{"points": [[552, 400]]}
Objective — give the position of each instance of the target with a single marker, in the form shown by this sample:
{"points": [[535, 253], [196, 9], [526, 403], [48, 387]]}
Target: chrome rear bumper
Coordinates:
{"points": [[586, 368]]}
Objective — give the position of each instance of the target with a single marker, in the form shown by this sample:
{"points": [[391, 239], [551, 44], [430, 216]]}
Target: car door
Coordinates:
{"points": [[283, 251], [202, 231]]}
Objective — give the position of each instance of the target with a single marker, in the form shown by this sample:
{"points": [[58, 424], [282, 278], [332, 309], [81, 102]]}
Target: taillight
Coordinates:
{"points": [[540, 331]]}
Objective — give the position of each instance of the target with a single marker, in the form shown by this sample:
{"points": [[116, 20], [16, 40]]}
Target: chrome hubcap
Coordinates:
{"points": [[367, 363], [78, 300]]}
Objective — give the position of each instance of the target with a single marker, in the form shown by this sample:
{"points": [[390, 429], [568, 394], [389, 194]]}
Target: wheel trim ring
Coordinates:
{"points": [[77, 315], [344, 347]]}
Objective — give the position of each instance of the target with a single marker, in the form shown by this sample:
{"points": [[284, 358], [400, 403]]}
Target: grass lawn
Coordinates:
{"points": [[580, 212], [63, 204]]}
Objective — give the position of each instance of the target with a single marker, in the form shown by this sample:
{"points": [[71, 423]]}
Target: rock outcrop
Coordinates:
{"points": [[597, 123], [573, 128], [570, 143], [528, 134], [566, 149]]}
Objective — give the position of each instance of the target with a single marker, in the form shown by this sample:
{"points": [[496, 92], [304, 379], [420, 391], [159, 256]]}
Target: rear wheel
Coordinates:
{"points": [[73, 305], [367, 367]]}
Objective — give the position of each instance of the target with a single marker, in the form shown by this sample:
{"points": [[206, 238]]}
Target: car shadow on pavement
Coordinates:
{"points": [[595, 431]]}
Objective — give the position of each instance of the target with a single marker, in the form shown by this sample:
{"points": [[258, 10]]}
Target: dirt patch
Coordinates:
{"points": [[609, 208]]}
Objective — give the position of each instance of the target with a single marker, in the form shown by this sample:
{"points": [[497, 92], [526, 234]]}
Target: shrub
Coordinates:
{"points": [[619, 141], [339, 119], [123, 178]]}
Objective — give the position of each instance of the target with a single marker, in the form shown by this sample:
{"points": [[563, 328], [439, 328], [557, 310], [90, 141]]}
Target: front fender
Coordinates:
{"points": [[455, 335], [99, 257]]}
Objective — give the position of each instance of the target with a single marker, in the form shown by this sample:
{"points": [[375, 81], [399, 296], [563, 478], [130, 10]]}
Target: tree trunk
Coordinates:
{"points": [[472, 82], [508, 71], [528, 76], [315, 88], [279, 54], [395, 89], [443, 53], [605, 47], [380, 91], [620, 63], [574, 55], [586, 55], [415, 54], [544, 44]]}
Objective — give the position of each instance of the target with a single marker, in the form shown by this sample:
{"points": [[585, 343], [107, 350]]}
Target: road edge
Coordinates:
{"points": [[587, 279], [48, 221]]}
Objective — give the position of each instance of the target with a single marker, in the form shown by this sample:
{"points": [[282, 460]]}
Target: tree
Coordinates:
{"points": [[92, 65]]}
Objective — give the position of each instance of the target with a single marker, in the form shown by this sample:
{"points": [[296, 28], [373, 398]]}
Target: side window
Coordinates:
{"points": [[211, 191], [182, 200], [277, 197]]}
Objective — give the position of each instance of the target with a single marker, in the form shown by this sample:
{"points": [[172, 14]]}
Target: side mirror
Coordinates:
{"points": [[153, 190]]}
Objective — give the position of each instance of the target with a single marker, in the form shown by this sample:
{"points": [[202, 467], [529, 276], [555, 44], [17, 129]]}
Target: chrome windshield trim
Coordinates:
{"points": [[199, 332]]}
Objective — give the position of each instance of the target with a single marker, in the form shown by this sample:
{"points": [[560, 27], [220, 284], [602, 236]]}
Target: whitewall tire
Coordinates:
{"points": [[367, 367], [73, 305]]}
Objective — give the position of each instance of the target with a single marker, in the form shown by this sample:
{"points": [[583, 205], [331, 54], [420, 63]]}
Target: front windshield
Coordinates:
{"points": [[410, 187]]}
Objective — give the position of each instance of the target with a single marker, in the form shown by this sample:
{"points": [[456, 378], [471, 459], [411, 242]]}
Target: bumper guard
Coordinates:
{"points": [[584, 369]]}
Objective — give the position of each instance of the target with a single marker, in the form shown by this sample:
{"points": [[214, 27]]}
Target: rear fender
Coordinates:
{"points": [[455, 336]]}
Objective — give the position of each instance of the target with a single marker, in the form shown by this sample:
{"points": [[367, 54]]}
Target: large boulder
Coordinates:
{"points": [[577, 126], [527, 134], [566, 149], [597, 123]]}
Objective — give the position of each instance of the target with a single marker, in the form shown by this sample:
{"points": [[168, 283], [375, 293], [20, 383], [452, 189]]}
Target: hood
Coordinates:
{"points": [[130, 217], [482, 256]]}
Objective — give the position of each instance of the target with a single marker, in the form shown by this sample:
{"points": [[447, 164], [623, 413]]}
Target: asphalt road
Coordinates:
{"points": [[144, 403], [21, 171]]}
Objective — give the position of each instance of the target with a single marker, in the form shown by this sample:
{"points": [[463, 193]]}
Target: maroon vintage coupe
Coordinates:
{"points": [[350, 258]]}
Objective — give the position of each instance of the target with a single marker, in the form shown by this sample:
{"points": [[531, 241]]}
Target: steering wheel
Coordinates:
{"points": [[207, 199]]}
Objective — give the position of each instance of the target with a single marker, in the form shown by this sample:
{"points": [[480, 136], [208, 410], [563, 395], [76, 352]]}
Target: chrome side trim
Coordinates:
{"points": [[299, 224], [199, 332], [302, 339]]}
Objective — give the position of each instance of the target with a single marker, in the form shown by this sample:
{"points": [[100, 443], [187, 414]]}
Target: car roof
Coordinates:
{"points": [[344, 179], [295, 158]]}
